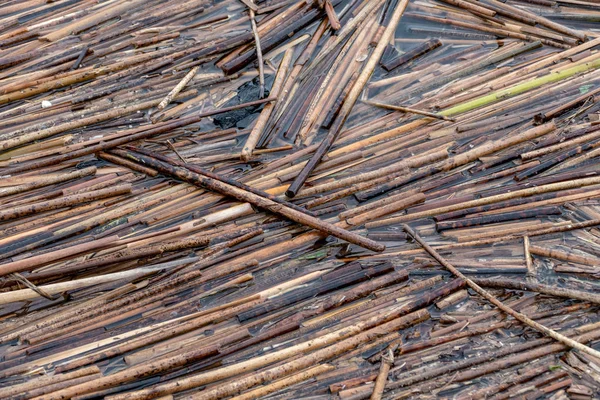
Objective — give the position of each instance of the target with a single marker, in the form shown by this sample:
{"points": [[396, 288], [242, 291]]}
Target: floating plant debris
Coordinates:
{"points": [[290, 199]]}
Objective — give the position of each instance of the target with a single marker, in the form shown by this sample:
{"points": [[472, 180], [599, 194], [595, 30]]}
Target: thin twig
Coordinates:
{"points": [[259, 56], [175, 151], [331, 15], [20, 278], [77, 62], [387, 360]]}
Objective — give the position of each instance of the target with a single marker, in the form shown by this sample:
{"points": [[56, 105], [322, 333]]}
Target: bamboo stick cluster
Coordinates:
{"points": [[283, 199]]}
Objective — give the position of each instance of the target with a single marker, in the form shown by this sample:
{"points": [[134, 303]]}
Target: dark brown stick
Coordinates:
{"points": [[261, 202]]}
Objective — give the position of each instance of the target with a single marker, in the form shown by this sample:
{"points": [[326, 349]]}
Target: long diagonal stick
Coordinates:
{"points": [[264, 203], [517, 315]]}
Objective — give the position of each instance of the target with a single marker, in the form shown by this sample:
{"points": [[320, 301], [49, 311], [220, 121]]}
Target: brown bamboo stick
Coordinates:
{"points": [[394, 204], [265, 114], [564, 256], [259, 54], [47, 181], [126, 163], [387, 360], [528, 260]]}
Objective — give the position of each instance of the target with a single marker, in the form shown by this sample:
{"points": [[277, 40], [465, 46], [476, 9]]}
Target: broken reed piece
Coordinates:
{"points": [[412, 53], [452, 299], [408, 110], [178, 88], [258, 201], [126, 163], [349, 102], [263, 118], [495, 218], [331, 15], [382, 207], [528, 259], [387, 360], [82, 55], [479, 290]]}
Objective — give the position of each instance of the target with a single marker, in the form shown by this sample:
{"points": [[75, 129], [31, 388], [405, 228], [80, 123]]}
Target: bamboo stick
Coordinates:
{"points": [[387, 360], [47, 380], [177, 89], [262, 120], [563, 255]]}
